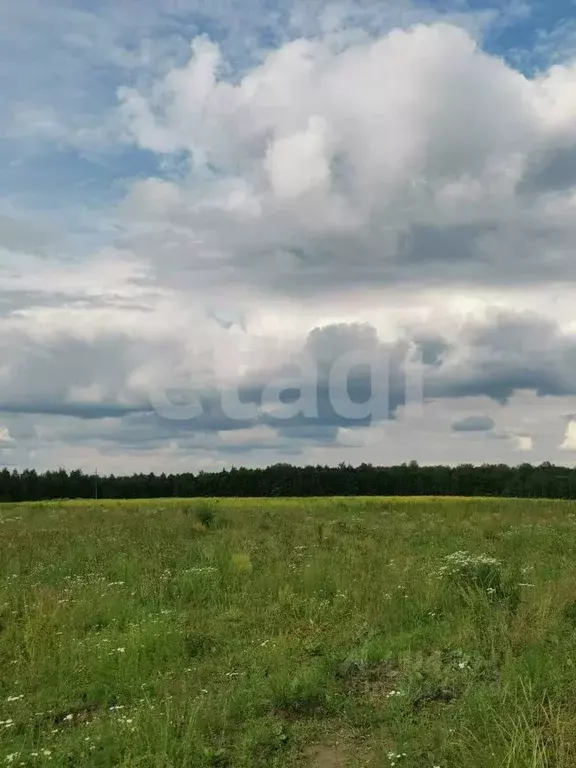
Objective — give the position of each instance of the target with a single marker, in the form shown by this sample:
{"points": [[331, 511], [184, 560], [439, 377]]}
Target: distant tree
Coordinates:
{"points": [[545, 480]]}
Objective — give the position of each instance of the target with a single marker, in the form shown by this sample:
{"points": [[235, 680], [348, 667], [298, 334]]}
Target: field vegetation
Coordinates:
{"points": [[320, 633]]}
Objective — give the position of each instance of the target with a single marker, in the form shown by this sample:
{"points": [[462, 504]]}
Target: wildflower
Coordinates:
{"points": [[460, 560], [394, 756]]}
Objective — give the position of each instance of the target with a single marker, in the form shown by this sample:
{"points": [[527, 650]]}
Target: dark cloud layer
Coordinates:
{"points": [[91, 379]]}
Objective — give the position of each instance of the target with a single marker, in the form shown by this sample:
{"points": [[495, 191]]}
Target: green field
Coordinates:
{"points": [[320, 633]]}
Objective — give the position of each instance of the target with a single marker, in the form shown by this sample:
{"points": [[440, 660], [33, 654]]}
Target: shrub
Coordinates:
{"points": [[206, 515]]}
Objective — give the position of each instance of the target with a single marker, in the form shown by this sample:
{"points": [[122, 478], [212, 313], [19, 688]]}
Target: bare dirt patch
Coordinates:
{"points": [[340, 754], [372, 682], [325, 757]]}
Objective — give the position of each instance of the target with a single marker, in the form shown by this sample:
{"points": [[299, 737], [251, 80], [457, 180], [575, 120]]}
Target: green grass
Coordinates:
{"points": [[303, 632]]}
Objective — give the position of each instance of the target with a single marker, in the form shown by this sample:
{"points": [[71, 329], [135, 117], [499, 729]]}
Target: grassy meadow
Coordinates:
{"points": [[320, 633]]}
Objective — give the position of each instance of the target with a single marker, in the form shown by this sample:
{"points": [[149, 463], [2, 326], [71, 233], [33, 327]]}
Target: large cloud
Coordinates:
{"points": [[343, 197], [413, 157]]}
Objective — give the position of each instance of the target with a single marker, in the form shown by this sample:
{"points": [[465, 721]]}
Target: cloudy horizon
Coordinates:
{"points": [[230, 198]]}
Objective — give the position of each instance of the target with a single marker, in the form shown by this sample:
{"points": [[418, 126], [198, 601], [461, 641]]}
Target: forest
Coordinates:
{"points": [[284, 480]]}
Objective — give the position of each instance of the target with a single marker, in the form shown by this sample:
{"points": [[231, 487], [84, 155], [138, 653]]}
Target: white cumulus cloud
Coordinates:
{"points": [[569, 442]]}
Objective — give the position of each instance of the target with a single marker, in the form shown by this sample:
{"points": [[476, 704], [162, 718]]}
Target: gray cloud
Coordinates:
{"points": [[67, 374], [94, 378], [496, 358], [473, 424], [555, 170], [508, 353]]}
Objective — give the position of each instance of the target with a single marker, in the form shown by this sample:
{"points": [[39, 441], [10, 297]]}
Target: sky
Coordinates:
{"points": [[241, 232]]}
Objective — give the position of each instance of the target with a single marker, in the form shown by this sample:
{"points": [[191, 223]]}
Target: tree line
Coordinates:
{"points": [[525, 480]]}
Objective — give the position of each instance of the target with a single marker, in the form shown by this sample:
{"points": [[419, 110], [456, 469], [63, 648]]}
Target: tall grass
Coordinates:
{"points": [[301, 632]]}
